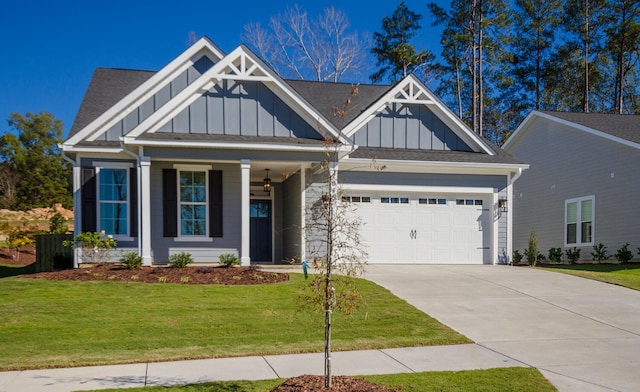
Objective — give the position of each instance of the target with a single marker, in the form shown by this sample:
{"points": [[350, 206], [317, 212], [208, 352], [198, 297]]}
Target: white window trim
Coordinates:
{"points": [[193, 168], [109, 166], [578, 201]]}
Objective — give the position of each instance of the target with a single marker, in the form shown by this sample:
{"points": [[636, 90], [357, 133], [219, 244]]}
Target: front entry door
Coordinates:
{"points": [[261, 236]]}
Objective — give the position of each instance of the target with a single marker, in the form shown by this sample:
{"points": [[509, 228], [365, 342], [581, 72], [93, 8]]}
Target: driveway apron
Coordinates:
{"points": [[582, 335]]}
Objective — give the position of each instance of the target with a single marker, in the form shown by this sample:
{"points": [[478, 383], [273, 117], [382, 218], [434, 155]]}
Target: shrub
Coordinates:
{"points": [[228, 259], [624, 254], [94, 246], [57, 224], [600, 253], [131, 260], [555, 255], [532, 253], [180, 260], [573, 254], [517, 257]]}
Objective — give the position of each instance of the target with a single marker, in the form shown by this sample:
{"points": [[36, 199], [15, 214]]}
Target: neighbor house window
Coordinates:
{"points": [[192, 213], [579, 215], [113, 200]]}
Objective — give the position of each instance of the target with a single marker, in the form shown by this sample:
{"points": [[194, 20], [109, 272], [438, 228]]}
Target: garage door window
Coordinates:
{"points": [[432, 201], [356, 199], [468, 202], [394, 200]]}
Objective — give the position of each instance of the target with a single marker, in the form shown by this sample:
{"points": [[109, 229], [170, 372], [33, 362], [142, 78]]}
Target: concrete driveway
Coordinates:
{"points": [[581, 334]]}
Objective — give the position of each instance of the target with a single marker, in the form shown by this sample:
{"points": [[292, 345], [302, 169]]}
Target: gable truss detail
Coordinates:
{"points": [[411, 93]]}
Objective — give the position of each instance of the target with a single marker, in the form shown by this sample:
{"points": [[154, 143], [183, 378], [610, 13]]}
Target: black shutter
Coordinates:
{"points": [[133, 202], [215, 203], [88, 179], [170, 202]]}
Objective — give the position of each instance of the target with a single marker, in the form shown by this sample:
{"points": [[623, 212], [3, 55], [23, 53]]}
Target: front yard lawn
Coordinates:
{"points": [[505, 379], [68, 323], [626, 274]]}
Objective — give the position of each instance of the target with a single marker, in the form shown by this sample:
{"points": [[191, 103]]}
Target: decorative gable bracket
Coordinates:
{"points": [[413, 94]]}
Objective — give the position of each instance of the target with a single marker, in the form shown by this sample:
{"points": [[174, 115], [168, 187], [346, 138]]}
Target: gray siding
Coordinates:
{"points": [[201, 251], [241, 108], [291, 213], [566, 164], [411, 127], [139, 114]]}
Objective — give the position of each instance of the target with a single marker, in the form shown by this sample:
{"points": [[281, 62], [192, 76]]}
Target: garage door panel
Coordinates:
{"points": [[425, 233]]}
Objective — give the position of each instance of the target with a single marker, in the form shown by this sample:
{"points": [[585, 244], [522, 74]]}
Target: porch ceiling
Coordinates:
{"points": [[278, 171]]}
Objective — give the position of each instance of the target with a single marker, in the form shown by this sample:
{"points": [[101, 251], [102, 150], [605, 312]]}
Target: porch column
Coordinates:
{"points": [[77, 207], [144, 208], [303, 213], [245, 221]]}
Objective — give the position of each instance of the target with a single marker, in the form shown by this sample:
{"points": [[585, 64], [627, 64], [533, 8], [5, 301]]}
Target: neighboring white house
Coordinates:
{"points": [[176, 160], [583, 186]]}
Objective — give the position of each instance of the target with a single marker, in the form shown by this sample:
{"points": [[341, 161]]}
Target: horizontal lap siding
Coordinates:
{"points": [[565, 164]]}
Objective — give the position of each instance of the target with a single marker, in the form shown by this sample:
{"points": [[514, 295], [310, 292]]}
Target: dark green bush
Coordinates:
{"points": [[62, 261], [131, 260], [180, 260], [573, 254], [517, 257], [555, 255], [600, 253], [57, 224], [624, 254]]}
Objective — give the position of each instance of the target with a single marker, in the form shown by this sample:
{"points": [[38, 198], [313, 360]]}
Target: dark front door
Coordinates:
{"points": [[260, 230]]}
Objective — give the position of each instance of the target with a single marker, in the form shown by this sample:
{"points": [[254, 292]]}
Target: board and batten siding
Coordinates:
{"points": [[291, 218], [241, 108], [211, 248], [567, 163], [409, 126], [147, 108]]}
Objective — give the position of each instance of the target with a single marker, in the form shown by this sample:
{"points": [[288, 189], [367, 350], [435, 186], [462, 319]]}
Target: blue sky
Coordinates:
{"points": [[51, 48]]}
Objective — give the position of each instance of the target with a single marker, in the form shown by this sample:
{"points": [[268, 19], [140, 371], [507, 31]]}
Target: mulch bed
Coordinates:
{"points": [[188, 275], [26, 256], [308, 383]]}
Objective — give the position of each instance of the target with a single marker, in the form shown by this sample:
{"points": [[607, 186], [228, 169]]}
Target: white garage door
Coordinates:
{"points": [[438, 229]]}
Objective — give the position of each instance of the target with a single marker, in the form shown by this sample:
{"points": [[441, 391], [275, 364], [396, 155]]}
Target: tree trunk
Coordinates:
{"points": [[480, 70], [586, 57]]}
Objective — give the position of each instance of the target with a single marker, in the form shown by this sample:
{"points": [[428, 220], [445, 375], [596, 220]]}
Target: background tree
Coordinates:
{"points": [[31, 152], [473, 40], [396, 57], [622, 45], [321, 49]]}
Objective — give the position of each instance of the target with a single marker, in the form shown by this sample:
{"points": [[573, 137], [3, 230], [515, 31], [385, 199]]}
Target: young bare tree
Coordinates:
{"points": [[322, 49], [332, 232]]}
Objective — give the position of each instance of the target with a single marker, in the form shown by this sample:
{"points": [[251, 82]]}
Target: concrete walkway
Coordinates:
{"points": [[582, 335], [388, 361]]}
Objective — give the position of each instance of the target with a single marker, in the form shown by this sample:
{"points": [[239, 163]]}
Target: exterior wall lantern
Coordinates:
{"points": [[503, 205], [266, 184]]}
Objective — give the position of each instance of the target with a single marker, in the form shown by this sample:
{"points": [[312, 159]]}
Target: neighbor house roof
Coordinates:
{"points": [[624, 126]]}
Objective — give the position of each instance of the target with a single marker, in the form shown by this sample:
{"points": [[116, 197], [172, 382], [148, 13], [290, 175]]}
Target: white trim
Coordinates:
{"points": [[144, 208], [199, 169], [230, 145], [536, 114], [227, 69], [578, 201], [147, 89], [245, 214], [362, 164], [99, 166], [187, 238], [418, 93], [416, 188]]}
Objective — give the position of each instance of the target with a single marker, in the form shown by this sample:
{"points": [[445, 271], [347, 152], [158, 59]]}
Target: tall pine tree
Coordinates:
{"points": [[395, 55]]}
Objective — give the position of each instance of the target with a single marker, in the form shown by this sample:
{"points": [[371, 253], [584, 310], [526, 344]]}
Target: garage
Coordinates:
{"points": [[425, 228]]}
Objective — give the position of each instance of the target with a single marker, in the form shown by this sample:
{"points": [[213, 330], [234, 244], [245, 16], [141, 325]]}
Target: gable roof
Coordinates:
{"points": [[107, 87], [621, 128]]}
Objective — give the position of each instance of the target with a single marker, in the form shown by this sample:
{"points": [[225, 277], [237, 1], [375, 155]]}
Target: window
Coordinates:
{"points": [[193, 203], [432, 201], [394, 200], [468, 202], [579, 221], [356, 199], [113, 200]]}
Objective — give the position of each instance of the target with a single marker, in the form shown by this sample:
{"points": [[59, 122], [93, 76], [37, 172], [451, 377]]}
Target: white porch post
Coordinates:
{"points": [[510, 205], [245, 192], [144, 210], [77, 207], [303, 213]]}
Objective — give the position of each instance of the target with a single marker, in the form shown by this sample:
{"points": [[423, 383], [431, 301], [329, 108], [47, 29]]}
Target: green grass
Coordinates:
{"points": [[626, 274], [64, 323], [506, 379]]}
